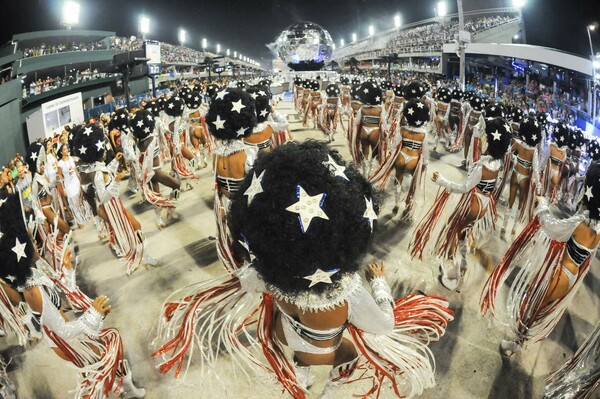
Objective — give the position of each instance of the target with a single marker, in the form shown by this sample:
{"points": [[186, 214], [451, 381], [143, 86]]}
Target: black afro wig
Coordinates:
{"points": [[142, 124], [416, 113], [16, 248], [90, 143], [231, 115], [499, 135], [530, 131], [298, 246]]}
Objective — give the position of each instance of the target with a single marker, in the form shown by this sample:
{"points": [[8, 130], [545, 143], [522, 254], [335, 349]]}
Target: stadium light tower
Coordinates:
{"points": [[228, 52], [144, 26], [354, 38], [341, 42], [397, 21], [218, 48], [442, 9], [204, 44], [182, 36], [70, 14], [371, 30], [519, 3], [592, 28]]}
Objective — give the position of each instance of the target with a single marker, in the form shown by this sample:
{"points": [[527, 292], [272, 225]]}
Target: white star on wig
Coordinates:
{"points": [[496, 135], [410, 111], [2, 201], [140, 123], [222, 94], [420, 105], [507, 127], [100, 145], [377, 99], [237, 106], [337, 170], [588, 192], [254, 96], [82, 150], [264, 113], [11, 278], [536, 124], [255, 187], [534, 137], [321, 276], [19, 249], [366, 91], [34, 156], [370, 212], [219, 123], [171, 105], [308, 207], [88, 130], [241, 131]]}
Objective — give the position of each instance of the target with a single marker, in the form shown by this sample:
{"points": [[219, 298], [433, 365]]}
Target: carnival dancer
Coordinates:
{"points": [[126, 237], [330, 113], [50, 228], [231, 118], [51, 172], [546, 265], [473, 117], [579, 377], [387, 88], [525, 177], [96, 351], [576, 177], [315, 99], [174, 129], [409, 155], [345, 94], [557, 156], [394, 114], [149, 166], [455, 117], [196, 138], [67, 172], [306, 296], [476, 204], [365, 139], [442, 110], [298, 93]]}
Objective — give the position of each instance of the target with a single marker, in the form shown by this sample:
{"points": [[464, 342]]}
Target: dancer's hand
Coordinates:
{"points": [[101, 305], [435, 176], [374, 270], [118, 156], [119, 176]]}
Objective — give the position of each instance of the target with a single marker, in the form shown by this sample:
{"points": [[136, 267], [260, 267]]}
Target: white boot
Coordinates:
{"points": [[160, 223], [450, 277], [129, 390], [303, 375], [146, 258], [508, 213], [337, 377], [100, 227], [171, 214]]}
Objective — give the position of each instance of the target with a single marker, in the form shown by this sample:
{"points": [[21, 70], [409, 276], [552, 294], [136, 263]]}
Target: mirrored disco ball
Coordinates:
{"points": [[304, 46]]}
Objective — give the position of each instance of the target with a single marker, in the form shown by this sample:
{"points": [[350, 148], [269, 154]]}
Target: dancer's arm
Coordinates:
{"points": [[555, 228], [472, 179]]}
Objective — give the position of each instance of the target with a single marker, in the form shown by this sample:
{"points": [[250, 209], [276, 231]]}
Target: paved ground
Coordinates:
{"points": [[468, 362]]}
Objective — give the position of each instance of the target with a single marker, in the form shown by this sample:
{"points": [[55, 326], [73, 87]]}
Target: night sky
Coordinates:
{"points": [[247, 25]]}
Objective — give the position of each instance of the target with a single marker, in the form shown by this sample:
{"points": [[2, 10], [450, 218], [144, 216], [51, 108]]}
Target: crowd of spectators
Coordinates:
{"points": [[421, 39], [12, 172], [56, 48], [485, 23], [40, 86]]}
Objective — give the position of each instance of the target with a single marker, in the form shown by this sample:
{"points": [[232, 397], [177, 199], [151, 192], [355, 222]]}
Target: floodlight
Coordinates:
{"points": [[70, 13], [442, 9], [342, 42], [218, 48], [519, 3], [353, 37], [228, 52], [204, 43], [371, 30], [397, 21], [144, 25], [182, 35]]}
